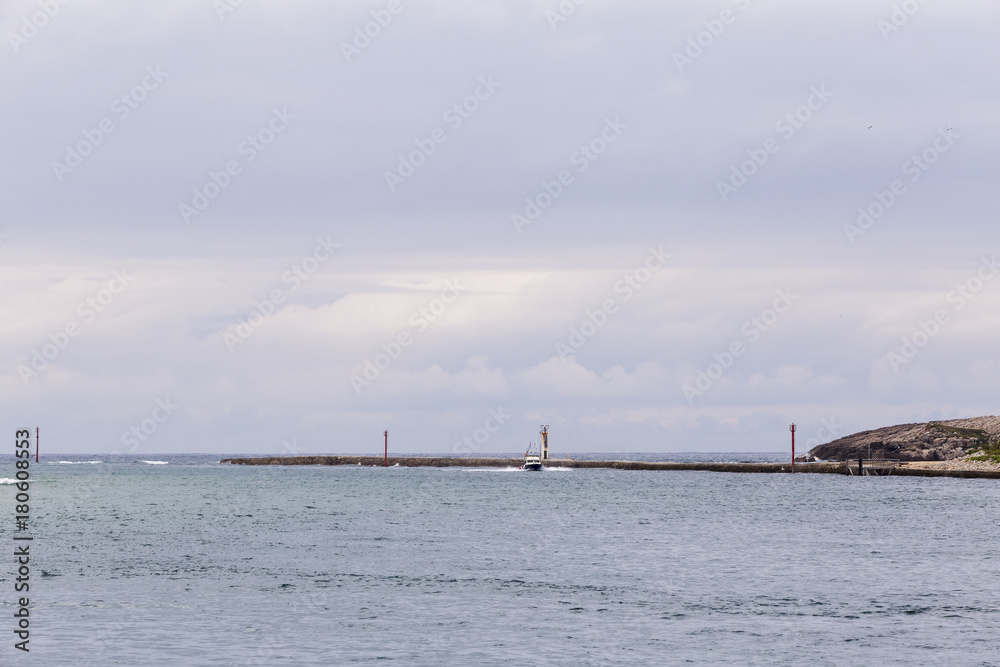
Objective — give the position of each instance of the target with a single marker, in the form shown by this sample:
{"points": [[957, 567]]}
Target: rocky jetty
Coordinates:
{"points": [[841, 468], [477, 462], [931, 441], [407, 461]]}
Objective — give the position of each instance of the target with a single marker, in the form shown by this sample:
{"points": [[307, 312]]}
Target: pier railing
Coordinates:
{"points": [[872, 466]]}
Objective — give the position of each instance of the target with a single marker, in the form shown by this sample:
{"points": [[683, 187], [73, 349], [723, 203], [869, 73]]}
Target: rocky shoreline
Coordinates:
{"points": [[955, 464], [954, 439]]}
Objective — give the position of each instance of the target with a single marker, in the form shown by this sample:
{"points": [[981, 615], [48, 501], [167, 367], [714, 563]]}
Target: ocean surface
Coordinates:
{"points": [[178, 560]]}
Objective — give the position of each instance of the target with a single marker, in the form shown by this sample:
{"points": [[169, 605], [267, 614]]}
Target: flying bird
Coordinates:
{"points": [[870, 126]]}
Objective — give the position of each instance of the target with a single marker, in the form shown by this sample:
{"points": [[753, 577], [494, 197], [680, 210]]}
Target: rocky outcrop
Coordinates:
{"points": [[932, 441]]}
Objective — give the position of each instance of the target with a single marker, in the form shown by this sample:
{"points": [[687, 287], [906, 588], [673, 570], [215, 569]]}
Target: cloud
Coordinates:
{"points": [[324, 176], [793, 378]]}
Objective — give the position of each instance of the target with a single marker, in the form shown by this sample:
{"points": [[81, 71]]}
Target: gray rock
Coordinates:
{"points": [[931, 441]]}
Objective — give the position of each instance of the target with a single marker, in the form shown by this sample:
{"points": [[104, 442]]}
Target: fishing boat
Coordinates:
{"points": [[532, 458]]}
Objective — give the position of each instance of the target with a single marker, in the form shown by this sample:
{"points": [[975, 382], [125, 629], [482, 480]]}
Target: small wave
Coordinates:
{"points": [[156, 463], [556, 469], [7, 480], [72, 463]]}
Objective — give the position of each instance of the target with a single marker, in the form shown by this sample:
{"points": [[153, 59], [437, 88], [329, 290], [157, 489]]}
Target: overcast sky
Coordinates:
{"points": [[283, 227]]}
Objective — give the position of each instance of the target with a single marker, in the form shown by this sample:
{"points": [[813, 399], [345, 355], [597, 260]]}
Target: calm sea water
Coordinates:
{"points": [[195, 563]]}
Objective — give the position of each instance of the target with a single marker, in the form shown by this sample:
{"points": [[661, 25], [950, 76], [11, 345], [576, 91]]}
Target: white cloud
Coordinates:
{"points": [[496, 343]]}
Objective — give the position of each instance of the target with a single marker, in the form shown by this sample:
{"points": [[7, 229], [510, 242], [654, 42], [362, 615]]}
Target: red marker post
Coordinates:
{"points": [[386, 464], [792, 429], [36, 444]]}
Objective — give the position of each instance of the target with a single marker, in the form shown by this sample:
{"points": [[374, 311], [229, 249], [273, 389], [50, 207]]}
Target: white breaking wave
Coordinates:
{"points": [[156, 463], [5, 480]]}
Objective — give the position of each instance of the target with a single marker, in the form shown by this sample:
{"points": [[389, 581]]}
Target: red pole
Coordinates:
{"points": [[36, 444], [792, 429], [386, 448]]}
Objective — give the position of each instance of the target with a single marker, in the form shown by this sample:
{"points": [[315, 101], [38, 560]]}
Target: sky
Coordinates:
{"points": [[273, 227]]}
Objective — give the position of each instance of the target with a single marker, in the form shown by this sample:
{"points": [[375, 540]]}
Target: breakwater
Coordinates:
{"points": [[479, 462], [830, 468]]}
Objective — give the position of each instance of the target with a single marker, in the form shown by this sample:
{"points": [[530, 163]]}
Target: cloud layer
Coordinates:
{"points": [[322, 232]]}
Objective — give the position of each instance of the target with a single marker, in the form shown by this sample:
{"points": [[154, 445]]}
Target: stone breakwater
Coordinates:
{"points": [[479, 462], [831, 468]]}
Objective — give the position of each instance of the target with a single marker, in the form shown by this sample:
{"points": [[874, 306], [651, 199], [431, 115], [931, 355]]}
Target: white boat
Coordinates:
{"points": [[532, 459]]}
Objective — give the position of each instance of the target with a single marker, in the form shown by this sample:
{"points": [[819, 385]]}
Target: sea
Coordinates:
{"points": [[181, 560]]}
